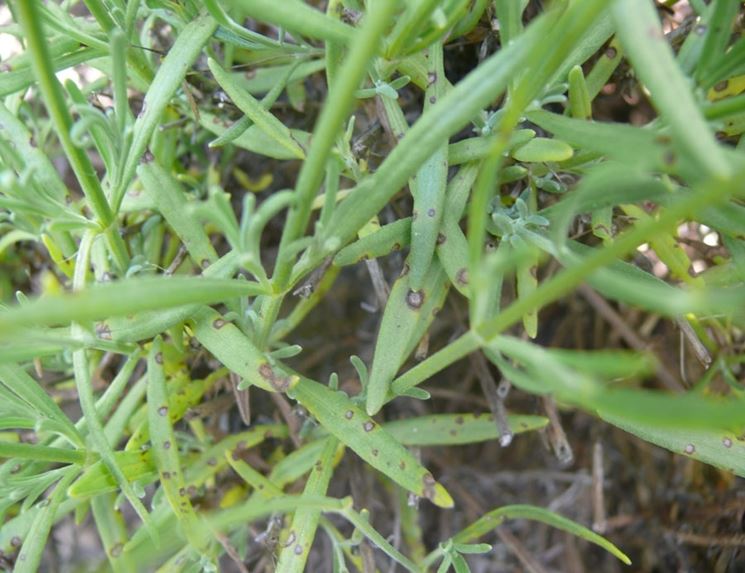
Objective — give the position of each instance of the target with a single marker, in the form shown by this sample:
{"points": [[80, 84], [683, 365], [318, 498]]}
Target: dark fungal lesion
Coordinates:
{"points": [[414, 299], [278, 382], [428, 486]]}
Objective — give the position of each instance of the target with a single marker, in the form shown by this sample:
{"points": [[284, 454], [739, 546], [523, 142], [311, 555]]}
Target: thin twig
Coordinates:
{"points": [[599, 522], [491, 391], [530, 563], [555, 433]]}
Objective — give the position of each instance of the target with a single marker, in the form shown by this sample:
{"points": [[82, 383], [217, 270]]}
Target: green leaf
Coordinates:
{"points": [[254, 139], [121, 298], [32, 549], [717, 447], [170, 76], [541, 149], [41, 453], [359, 432], [638, 28], [496, 517], [387, 239], [457, 429], [19, 383], [299, 17], [407, 316], [165, 450], [430, 184], [302, 530], [263, 119], [170, 200]]}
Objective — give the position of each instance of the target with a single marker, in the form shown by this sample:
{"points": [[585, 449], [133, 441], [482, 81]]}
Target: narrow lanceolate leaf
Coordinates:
{"points": [[165, 450], [253, 109], [717, 447], [112, 529], [170, 199], [457, 429], [542, 149], [431, 182], [170, 76], [254, 139], [494, 518], [359, 432], [41, 453], [122, 298], [408, 313], [297, 16], [302, 530], [452, 245], [234, 349], [638, 28], [387, 239], [14, 130], [526, 283], [183, 393], [580, 105], [20, 383], [33, 546]]}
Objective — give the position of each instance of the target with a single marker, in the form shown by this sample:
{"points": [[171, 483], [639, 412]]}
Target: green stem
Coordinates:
{"points": [[333, 116], [86, 398], [51, 91]]}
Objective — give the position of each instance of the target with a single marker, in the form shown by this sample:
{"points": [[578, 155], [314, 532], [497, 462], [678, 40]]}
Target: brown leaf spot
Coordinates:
{"points": [[349, 414], [279, 383], [414, 299], [727, 442], [219, 323], [166, 445], [690, 449], [368, 426], [428, 486], [163, 410], [159, 358], [103, 331]]}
